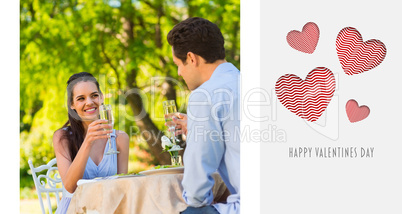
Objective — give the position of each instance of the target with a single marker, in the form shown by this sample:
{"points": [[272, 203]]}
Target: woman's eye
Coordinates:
{"points": [[79, 99], [95, 95]]}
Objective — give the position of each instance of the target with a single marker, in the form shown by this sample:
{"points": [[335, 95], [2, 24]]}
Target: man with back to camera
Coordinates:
{"points": [[212, 120]]}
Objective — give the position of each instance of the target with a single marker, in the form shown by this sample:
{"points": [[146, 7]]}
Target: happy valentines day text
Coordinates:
{"points": [[331, 152]]}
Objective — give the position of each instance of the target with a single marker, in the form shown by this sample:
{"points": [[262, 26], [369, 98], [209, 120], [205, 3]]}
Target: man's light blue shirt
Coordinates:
{"points": [[213, 140]]}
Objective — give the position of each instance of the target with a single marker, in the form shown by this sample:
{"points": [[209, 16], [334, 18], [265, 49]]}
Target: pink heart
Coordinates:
{"points": [[305, 41], [356, 113], [309, 98], [355, 55]]}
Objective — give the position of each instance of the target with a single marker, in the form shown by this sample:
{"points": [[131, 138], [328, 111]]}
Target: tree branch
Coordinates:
{"points": [[162, 11], [111, 65]]}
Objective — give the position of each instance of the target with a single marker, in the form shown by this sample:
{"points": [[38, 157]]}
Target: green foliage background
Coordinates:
{"points": [[123, 44]]}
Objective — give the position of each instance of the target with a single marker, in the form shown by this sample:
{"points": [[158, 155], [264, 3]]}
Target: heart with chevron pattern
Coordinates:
{"points": [[308, 99], [355, 55]]}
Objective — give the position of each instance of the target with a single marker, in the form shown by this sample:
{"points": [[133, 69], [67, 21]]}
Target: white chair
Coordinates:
{"points": [[48, 184]]}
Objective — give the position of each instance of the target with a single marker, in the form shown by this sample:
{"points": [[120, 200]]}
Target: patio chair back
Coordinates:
{"points": [[48, 183]]}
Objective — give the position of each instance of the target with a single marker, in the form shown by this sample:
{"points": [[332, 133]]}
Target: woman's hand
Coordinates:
{"points": [[180, 120], [97, 130], [73, 170]]}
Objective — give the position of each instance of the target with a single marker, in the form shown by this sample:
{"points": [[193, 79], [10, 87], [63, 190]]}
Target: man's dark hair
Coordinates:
{"points": [[199, 36]]}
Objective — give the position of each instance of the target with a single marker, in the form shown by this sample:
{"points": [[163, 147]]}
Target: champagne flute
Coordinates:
{"points": [[106, 114], [169, 108]]}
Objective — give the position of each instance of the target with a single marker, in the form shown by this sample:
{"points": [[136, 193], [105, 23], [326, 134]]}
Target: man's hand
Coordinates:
{"points": [[180, 120]]}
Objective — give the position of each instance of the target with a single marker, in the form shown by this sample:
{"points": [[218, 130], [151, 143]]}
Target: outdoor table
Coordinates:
{"points": [[144, 194]]}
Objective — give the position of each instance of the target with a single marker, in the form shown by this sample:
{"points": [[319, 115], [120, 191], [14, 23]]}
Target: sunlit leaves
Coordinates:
{"points": [[63, 37]]}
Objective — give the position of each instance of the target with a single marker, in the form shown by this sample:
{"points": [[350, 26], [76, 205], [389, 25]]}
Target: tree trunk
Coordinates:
{"points": [[149, 131]]}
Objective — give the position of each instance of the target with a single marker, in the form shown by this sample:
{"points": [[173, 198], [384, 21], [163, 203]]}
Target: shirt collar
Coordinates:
{"points": [[222, 68]]}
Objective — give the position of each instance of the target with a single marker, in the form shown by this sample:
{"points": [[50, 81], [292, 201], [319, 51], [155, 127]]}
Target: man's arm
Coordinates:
{"points": [[204, 151]]}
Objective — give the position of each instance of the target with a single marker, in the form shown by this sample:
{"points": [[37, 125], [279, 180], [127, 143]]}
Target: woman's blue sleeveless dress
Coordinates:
{"points": [[107, 167]]}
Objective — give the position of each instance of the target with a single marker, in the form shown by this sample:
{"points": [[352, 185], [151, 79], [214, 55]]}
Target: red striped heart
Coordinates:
{"points": [[355, 112], [308, 99], [305, 41], [355, 55]]}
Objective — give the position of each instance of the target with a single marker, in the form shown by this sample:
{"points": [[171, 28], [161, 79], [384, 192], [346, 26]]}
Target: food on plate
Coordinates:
{"points": [[165, 166]]}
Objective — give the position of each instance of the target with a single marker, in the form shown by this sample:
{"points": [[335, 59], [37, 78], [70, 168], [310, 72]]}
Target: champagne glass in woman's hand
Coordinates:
{"points": [[169, 108], [106, 114]]}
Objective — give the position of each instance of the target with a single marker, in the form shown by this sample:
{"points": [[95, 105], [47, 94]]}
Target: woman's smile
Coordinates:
{"points": [[91, 110]]}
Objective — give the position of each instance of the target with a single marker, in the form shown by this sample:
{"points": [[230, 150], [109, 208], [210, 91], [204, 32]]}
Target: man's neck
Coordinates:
{"points": [[208, 69]]}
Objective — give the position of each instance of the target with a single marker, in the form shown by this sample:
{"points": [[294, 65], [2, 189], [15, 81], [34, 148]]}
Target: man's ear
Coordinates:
{"points": [[193, 58]]}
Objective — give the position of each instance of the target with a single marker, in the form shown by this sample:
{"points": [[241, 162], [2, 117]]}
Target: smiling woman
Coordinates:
{"points": [[86, 101], [80, 144]]}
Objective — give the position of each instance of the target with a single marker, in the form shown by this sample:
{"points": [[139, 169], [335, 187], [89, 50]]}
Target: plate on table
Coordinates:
{"points": [[161, 171], [128, 175]]}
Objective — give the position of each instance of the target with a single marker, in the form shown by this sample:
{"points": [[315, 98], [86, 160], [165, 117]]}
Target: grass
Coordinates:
{"points": [[28, 193]]}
